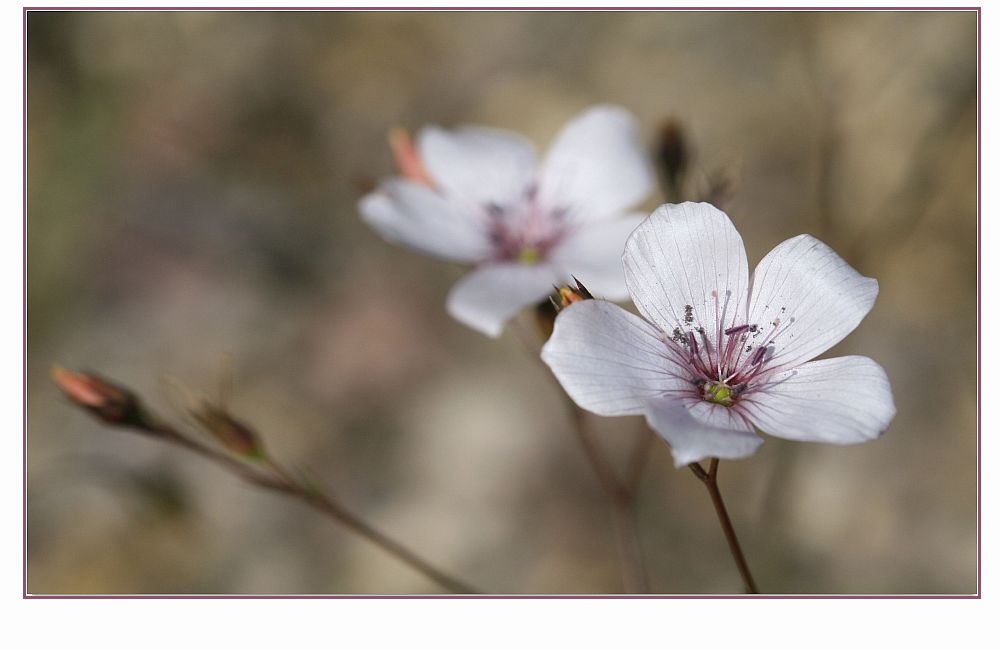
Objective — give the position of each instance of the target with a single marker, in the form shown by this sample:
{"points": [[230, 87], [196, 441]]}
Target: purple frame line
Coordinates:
{"points": [[979, 302], [979, 437], [501, 8]]}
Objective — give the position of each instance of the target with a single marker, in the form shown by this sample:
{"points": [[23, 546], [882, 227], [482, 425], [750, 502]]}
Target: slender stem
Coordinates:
{"points": [[621, 495], [711, 481], [173, 436], [629, 549], [280, 480], [328, 505], [605, 473], [622, 502], [638, 460]]}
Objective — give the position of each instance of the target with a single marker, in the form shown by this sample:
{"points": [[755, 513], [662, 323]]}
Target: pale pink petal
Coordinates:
{"points": [[414, 215], [813, 295], [692, 440], [609, 360], [478, 165], [487, 297], [597, 166], [842, 401], [685, 267], [593, 254]]}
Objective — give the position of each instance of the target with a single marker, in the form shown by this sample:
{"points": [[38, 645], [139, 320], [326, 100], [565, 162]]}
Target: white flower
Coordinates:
{"points": [[721, 352], [525, 226]]}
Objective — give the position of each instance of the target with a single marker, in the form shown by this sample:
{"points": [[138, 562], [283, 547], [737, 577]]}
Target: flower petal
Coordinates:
{"points": [[676, 260], [609, 360], [692, 440], [477, 164], [414, 215], [597, 165], [489, 296], [841, 401], [815, 296], [593, 254]]}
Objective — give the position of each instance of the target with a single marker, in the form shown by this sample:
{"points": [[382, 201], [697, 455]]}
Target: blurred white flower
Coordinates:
{"points": [[720, 351], [478, 196]]}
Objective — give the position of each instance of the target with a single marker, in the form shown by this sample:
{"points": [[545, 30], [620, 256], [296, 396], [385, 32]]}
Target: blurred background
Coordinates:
{"points": [[192, 190]]}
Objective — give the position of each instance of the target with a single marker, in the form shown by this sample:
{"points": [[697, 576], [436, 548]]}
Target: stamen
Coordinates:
{"points": [[718, 334], [706, 343], [693, 344], [732, 344], [749, 367], [494, 210]]}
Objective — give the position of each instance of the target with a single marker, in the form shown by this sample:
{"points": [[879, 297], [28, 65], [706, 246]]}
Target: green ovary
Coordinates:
{"points": [[719, 393], [528, 255]]}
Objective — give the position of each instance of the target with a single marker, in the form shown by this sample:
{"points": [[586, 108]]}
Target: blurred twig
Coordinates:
{"points": [[621, 495], [906, 208], [243, 456]]}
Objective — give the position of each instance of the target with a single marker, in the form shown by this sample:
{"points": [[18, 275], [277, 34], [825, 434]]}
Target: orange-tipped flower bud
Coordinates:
{"points": [[564, 296], [567, 295], [407, 159], [234, 436], [108, 402]]}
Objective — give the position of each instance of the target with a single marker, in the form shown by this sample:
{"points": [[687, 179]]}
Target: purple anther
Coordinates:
{"points": [[494, 210]]}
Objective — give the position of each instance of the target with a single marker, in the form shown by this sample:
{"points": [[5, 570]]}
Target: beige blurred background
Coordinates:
{"points": [[192, 191]]}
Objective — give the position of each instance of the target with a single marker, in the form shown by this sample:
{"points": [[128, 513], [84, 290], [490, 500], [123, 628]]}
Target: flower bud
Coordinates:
{"points": [[672, 156], [108, 402], [567, 295], [546, 312], [408, 162], [233, 435]]}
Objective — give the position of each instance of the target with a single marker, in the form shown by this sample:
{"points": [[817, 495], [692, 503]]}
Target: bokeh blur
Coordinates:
{"points": [[192, 187]]}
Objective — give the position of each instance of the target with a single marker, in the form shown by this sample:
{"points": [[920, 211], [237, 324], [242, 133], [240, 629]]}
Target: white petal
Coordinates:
{"points": [[609, 360], [692, 440], [490, 295], [842, 401], [414, 215], [597, 166], [478, 165], [812, 293], [677, 259], [593, 254], [716, 415]]}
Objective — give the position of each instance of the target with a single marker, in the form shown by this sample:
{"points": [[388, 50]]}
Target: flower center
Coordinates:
{"points": [[723, 364], [524, 231]]}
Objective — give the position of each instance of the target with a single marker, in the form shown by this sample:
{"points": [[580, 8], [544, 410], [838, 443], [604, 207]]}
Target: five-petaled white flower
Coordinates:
{"points": [[720, 351], [485, 201]]}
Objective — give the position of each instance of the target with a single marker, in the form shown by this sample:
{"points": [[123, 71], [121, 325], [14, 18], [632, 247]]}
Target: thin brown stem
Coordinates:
{"points": [[280, 480], [621, 498], [711, 481], [638, 460], [235, 466], [605, 473], [335, 510]]}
